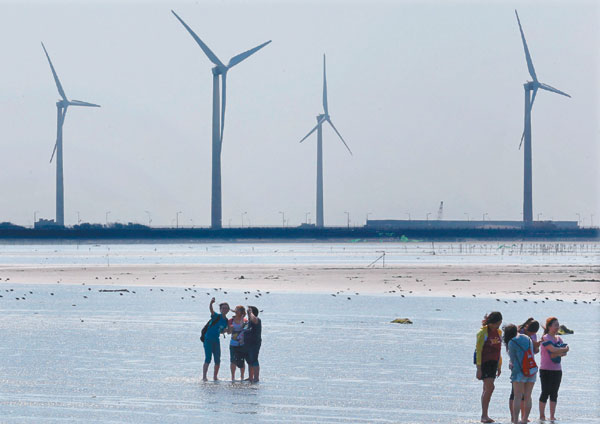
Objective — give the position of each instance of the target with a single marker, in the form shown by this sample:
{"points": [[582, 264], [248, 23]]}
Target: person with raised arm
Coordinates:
{"points": [[252, 337], [211, 332]]}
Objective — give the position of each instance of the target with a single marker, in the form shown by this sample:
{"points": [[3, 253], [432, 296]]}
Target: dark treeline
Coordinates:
{"points": [[140, 232]]}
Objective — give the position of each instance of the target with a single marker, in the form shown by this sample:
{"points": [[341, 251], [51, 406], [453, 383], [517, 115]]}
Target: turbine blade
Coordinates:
{"points": [[56, 80], [522, 138], [325, 108], [53, 152], [533, 99], [211, 56], [238, 58], [527, 55], [339, 135], [313, 130], [80, 103], [552, 89], [223, 101], [59, 123], [530, 109]]}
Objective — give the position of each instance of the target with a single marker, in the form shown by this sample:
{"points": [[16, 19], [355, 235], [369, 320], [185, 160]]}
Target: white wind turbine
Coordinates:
{"points": [[220, 69], [531, 88], [324, 117], [61, 109]]}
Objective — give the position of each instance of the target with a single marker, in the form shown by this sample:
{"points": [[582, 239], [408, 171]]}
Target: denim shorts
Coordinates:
{"points": [[518, 377], [252, 354]]}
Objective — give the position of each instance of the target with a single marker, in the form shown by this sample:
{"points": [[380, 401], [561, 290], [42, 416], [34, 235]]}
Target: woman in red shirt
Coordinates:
{"points": [[488, 358]]}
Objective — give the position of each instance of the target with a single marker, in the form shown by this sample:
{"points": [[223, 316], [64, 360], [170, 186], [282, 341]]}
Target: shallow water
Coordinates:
{"points": [[137, 358], [358, 253]]}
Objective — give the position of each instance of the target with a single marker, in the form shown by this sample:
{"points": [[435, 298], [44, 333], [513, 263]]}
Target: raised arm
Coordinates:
{"points": [[251, 316], [210, 307]]}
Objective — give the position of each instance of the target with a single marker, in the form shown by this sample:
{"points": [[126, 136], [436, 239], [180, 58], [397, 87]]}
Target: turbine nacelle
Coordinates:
{"points": [[220, 68], [324, 117], [535, 84]]}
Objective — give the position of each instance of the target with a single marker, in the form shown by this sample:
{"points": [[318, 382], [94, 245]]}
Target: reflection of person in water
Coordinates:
{"points": [[236, 352], [488, 358]]}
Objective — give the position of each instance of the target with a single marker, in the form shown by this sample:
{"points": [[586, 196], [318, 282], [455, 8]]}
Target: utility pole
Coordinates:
{"points": [[348, 219], [106, 215], [177, 219], [282, 218]]}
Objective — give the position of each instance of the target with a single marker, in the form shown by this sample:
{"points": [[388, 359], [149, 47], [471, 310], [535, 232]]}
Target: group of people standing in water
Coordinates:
{"points": [[522, 344], [244, 344]]}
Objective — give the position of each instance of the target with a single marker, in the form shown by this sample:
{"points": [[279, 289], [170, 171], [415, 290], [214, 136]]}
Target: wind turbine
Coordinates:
{"points": [[220, 69], [531, 88], [61, 110], [324, 117]]}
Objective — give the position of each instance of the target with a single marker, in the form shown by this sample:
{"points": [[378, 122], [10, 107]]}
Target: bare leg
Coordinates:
{"points": [[524, 408], [217, 366], [526, 404], [204, 371], [256, 374], [486, 395], [542, 411], [518, 389], [242, 373], [232, 368], [510, 408], [552, 410]]}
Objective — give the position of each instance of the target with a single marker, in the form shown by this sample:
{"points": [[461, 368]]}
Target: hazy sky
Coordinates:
{"points": [[428, 95]]}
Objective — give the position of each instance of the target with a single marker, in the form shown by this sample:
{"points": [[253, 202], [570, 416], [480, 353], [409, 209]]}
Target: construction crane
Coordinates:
{"points": [[440, 215]]}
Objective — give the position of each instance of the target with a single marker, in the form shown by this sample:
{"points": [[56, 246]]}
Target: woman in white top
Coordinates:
{"points": [[236, 352]]}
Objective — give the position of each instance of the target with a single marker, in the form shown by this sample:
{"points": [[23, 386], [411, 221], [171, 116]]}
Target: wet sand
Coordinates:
{"points": [[525, 282]]}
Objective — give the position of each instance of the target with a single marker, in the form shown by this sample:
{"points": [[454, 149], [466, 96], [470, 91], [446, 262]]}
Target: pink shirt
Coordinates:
{"points": [[547, 363]]}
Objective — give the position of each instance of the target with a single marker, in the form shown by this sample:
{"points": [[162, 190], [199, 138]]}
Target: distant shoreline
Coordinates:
{"points": [[524, 282], [296, 234]]}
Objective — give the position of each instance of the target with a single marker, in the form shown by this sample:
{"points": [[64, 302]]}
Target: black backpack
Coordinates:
{"points": [[211, 322]]}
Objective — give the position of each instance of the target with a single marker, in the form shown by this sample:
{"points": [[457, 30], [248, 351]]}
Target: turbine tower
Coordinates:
{"points": [[531, 88], [220, 70], [61, 110], [324, 117]]}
